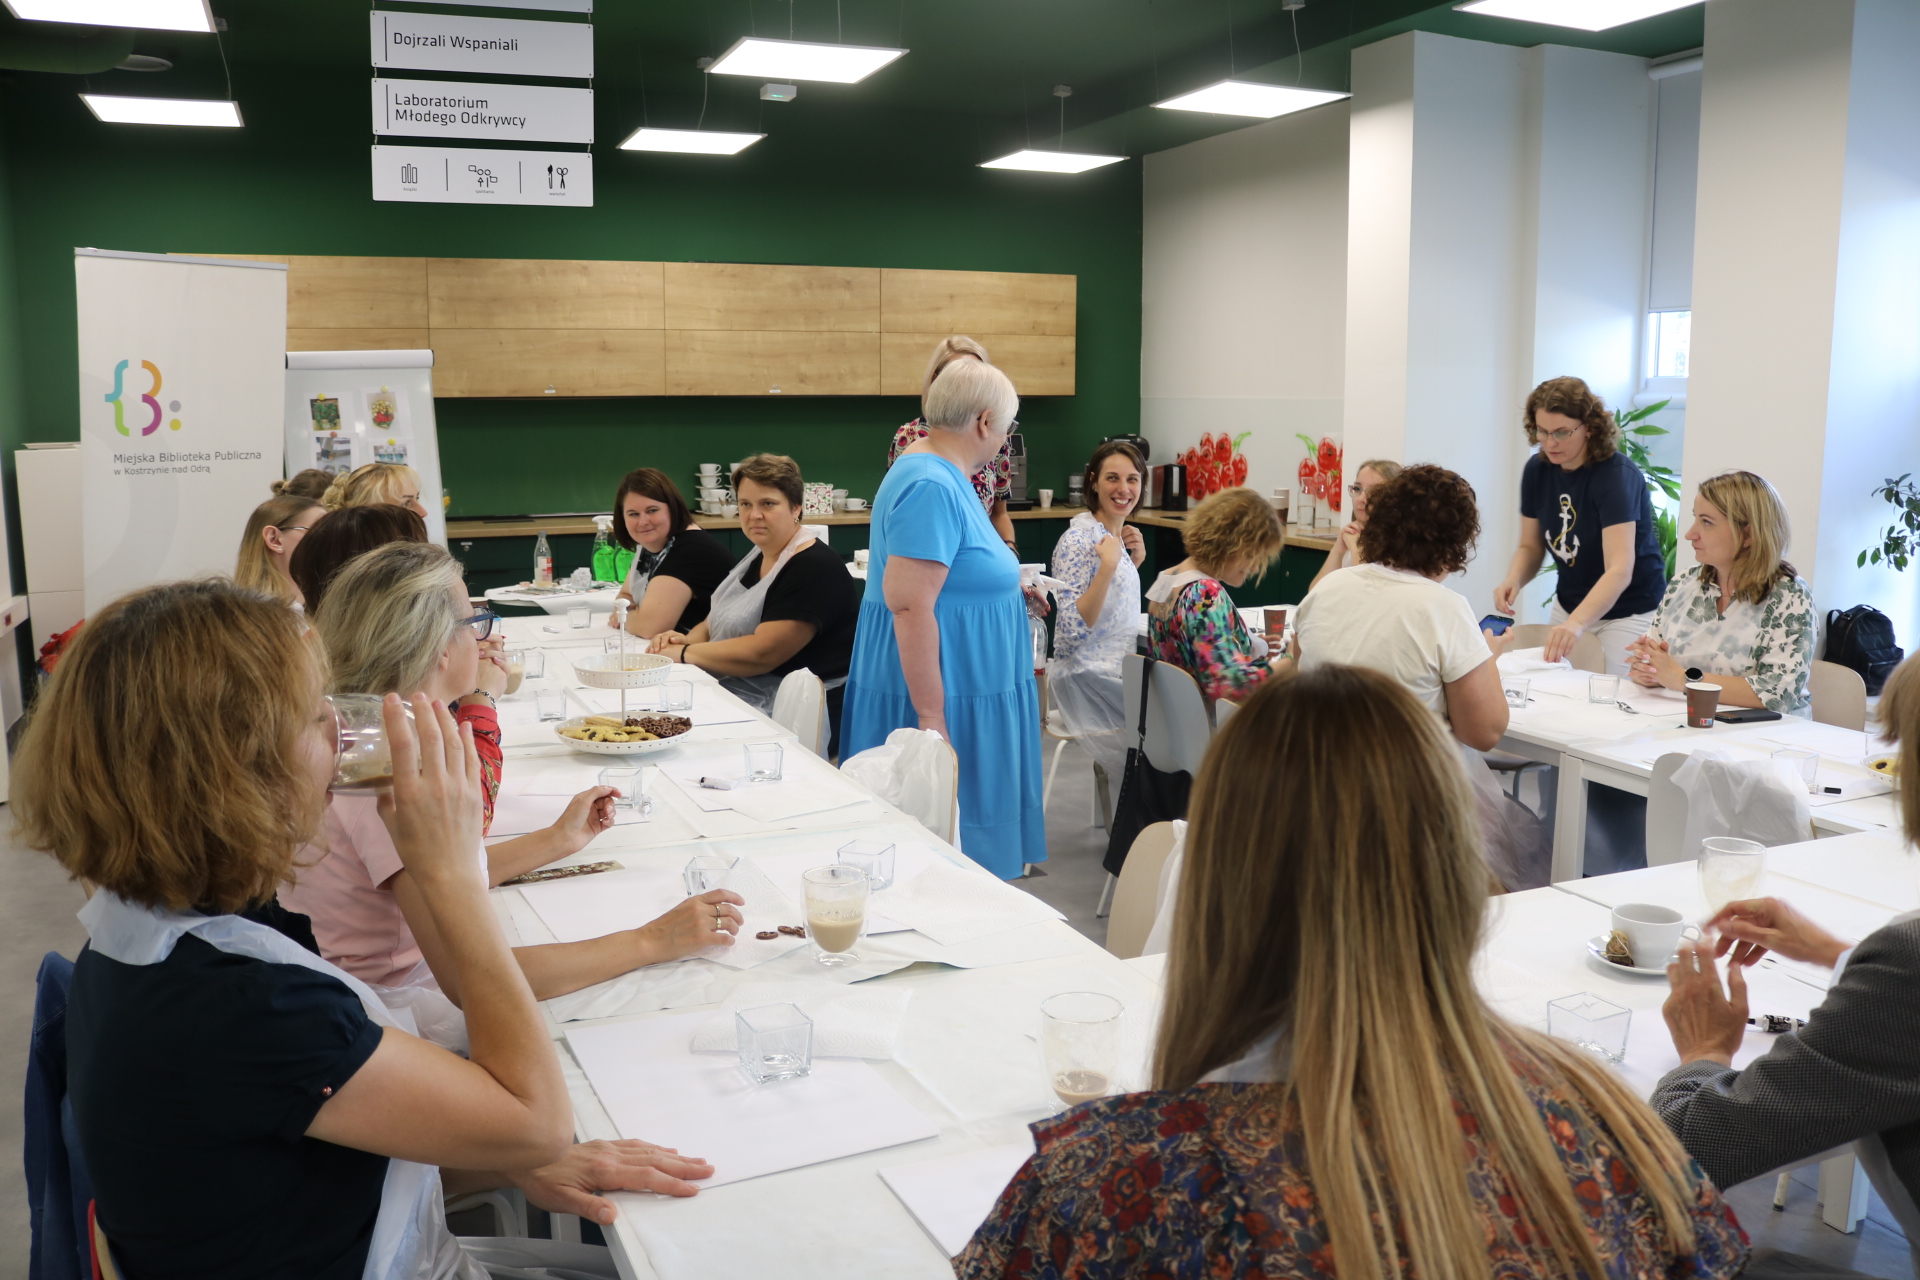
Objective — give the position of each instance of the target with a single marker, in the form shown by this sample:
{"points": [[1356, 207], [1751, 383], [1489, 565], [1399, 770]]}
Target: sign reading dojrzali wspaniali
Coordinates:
{"points": [[503, 112], [462, 175], [486, 46]]}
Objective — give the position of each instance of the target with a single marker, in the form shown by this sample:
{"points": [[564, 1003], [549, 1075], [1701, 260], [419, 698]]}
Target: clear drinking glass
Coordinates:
{"points": [[1730, 870], [516, 670], [579, 616], [1604, 690], [1596, 1025], [763, 761], [534, 661], [363, 759], [836, 911], [625, 780], [676, 695], [550, 704], [776, 1042], [872, 857], [1080, 1045], [1515, 688], [707, 872], [1805, 766]]}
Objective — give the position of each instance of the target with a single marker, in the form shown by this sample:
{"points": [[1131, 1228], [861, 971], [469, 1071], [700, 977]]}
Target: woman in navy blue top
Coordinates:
{"points": [[1585, 503]]}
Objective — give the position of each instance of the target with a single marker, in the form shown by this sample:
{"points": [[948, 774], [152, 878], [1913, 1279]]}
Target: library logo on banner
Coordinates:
{"points": [[149, 399]]}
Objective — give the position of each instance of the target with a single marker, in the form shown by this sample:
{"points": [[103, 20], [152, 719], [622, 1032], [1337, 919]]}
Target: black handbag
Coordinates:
{"points": [[1147, 795]]}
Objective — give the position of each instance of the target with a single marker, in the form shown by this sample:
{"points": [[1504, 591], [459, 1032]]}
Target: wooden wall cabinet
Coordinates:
{"points": [[513, 327]]}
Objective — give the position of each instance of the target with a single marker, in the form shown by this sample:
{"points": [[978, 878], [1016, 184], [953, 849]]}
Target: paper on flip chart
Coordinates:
{"points": [[950, 1196], [655, 1088]]}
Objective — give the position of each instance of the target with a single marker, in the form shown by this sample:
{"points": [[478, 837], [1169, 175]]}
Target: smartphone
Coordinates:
{"points": [[1744, 715], [1495, 623]]}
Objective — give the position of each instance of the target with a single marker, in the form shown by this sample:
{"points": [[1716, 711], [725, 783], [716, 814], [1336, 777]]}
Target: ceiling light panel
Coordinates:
{"points": [[1583, 15], [1051, 161], [148, 15], [1244, 98], [799, 60], [191, 111], [690, 141]]}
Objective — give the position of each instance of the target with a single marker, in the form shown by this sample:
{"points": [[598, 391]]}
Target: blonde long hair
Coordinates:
{"points": [[1899, 718], [388, 617], [1755, 508], [1334, 887], [375, 482], [254, 568]]}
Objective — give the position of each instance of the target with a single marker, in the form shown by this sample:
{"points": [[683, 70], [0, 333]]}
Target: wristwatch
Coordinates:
{"points": [[1694, 673]]}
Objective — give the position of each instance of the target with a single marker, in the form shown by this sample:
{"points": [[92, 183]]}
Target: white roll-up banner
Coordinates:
{"points": [[182, 374], [345, 409]]}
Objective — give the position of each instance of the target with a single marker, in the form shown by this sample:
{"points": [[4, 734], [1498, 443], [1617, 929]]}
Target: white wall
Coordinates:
{"points": [[1243, 290]]}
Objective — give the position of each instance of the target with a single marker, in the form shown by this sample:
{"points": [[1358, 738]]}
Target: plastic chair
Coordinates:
{"points": [[1054, 725], [1136, 896], [1669, 808], [1586, 655], [800, 707], [1839, 696], [1666, 812], [59, 1192], [1178, 728], [943, 819], [509, 1205]]}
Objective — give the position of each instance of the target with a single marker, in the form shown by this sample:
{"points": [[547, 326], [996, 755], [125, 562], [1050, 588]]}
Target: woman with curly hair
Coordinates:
{"points": [[1191, 621], [1585, 503], [1394, 614], [393, 482]]}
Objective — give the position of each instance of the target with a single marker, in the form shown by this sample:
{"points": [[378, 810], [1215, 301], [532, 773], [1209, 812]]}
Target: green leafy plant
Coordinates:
{"points": [[1634, 428], [1900, 541]]}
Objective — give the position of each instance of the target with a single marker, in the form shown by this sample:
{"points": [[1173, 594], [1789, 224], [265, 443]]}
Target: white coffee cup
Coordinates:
{"points": [[1653, 932], [1046, 498], [856, 504]]}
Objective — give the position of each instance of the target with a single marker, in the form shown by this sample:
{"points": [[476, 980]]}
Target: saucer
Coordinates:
{"points": [[1597, 948]]}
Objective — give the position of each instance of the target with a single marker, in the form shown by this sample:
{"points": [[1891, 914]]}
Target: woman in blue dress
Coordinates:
{"points": [[943, 642]]}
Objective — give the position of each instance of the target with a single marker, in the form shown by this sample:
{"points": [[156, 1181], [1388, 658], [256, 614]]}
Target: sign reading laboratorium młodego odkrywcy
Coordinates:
{"points": [[495, 112]]}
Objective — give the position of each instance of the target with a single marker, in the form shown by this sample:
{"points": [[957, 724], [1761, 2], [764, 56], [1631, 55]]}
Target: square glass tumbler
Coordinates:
{"points": [[1604, 690], [630, 796], [872, 857], [551, 704], [763, 761], [776, 1042], [707, 872], [579, 616], [1514, 688], [676, 695], [1596, 1025]]}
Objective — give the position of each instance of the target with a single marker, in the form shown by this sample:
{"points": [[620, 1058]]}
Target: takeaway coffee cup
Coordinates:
{"points": [[1653, 932], [1702, 700]]}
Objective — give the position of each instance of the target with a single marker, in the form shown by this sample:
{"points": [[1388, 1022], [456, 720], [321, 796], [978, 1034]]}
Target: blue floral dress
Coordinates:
{"points": [[926, 510]]}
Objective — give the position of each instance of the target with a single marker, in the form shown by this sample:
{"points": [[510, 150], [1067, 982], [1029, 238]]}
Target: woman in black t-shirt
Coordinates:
{"points": [[245, 1108], [789, 604], [676, 564]]}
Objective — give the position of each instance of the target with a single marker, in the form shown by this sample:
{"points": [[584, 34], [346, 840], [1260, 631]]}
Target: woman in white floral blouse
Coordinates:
{"points": [[1744, 619]]}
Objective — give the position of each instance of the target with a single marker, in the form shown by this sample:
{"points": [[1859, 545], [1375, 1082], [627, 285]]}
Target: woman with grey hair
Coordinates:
{"points": [[943, 642]]}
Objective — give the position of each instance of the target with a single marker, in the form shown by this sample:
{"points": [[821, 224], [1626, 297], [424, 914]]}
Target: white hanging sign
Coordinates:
{"points": [[551, 6], [461, 175], [487, 46], [502, 112]]}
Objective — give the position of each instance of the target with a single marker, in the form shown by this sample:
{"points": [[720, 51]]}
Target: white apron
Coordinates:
{"points": [[735, 612], [410, 1236]]}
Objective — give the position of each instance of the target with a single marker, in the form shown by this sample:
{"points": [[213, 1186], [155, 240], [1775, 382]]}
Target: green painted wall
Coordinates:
{"points": [[835, 185]]}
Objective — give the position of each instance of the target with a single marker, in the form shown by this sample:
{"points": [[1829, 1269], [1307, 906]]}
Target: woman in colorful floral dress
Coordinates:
{"points": [[1191, 621], [1744, 619], [1333, 1097]]}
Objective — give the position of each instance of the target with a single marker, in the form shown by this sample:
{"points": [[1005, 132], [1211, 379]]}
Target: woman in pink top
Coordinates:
{"points": [[397, 621]]}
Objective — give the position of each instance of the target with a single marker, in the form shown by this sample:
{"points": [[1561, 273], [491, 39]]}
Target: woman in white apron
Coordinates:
{"points": [[676, 563], [245, 1108], [789, 604]]}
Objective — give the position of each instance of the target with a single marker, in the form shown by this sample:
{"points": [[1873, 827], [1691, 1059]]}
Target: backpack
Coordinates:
{"points": [[1862, 638]]}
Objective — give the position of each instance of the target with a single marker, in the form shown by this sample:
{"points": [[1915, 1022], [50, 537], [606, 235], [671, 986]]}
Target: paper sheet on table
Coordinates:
{"points": [[711, 703], [910, 858], [804, 791], [848, 1022], [655, 1088], [1520, 662], [516, 814], [952, 905], [1650, 1051], [595, 906], [950, 1196]]}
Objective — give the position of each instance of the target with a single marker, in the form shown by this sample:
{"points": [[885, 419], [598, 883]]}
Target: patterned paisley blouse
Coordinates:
{"points": [[1209, 1183], [1770, 644], [1202, 634], [991, 482]]}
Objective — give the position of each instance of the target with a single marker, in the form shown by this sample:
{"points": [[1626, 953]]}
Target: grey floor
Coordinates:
{"points": [[36, 916]]}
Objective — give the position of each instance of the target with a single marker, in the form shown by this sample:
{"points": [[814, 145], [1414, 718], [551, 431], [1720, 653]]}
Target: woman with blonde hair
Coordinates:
{"points": [[275, 528], [993, 482], [1370, 475], [311, 484], [396, 620], [1191, 621], [1744, 618], [943, 641], [392, 482], [1332, 1095]]}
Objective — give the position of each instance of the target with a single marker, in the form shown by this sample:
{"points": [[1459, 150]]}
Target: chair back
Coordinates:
{"points": [[1587, 655], [1136, 897], [1690, 797], [1666, 812], [1223, 711], [942, 811], [1527, 635], [800, 707], [1178, 728], [1839, 696], [58, 1188]]}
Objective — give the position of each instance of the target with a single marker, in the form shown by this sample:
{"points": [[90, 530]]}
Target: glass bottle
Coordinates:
{"points": [[542, 562]]}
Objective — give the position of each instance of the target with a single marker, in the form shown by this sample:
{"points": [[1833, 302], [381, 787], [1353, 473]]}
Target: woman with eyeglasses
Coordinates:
{"points": [[1370, 475], [397, 620], [274, 530], [1585, 503]]}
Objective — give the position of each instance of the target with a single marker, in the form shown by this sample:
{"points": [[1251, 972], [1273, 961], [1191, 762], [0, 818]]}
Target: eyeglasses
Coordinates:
{"points": [[1559, 437], [1356, 488], [482, 624], [293, 528]]}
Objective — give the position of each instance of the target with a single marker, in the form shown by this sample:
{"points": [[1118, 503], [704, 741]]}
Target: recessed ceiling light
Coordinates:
{"points": [[1051, 161], [1585, 15], [148, 15], [1243, 98], [195, 111], [799, 60], [697, 141]]}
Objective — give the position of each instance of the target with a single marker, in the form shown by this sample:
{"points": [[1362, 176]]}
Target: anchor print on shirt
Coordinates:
{"points": [[1566, 545]]}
